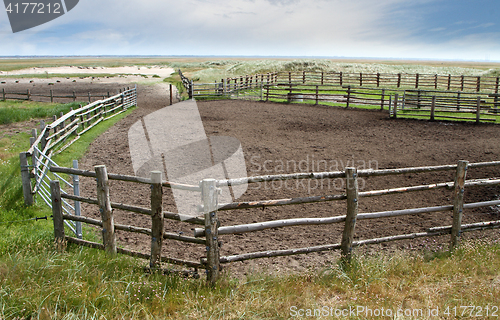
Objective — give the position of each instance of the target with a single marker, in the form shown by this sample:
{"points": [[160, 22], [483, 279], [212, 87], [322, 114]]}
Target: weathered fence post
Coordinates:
{"points": [[458, 100], [417, 77], [496, 85], [458, 202], [171, 94], [210, 203], [267, 92], [352, 212], [395, 106], [341, 80], [3, 94], [378, 79], [435, 81], [433, 107], [361, 79], [26, 179], [90, 97], [78, 209], [399, 80], [478, 110], [28, 94], [51, 96], [156, 218], [317, 94], [191, 89], [261, 90], [108, 231], [449, 82], [57, 213], [462, 80], [478, 84], [382, 99]]}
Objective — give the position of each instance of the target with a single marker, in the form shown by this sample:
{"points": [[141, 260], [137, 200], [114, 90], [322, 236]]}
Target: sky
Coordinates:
{"points": [[402, 29]]}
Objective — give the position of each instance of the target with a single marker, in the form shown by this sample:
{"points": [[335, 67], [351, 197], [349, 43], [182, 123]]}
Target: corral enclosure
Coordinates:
{"points": [[309, 136], [287, 138]]}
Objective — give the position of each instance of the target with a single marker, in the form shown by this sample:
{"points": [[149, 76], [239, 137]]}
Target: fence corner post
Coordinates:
{"points": [[478, 110], [458, 202], [57, 213], [26, 179], [108, 231], [209, 195], [156, 218], [352, 212]]}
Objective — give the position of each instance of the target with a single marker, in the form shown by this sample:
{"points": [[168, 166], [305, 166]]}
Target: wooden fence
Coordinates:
{"points": [[231, 86], [29, 96], [54, 138], [246, 86], [209, 235], [401, 80], [430, 104]]}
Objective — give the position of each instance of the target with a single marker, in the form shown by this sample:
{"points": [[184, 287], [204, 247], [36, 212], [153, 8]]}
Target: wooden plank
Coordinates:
{"points": [[105, 209], [253, 227], [156, 218], [458, 202], [183, 218], [466, 227], [280, 202], [278, 253]]}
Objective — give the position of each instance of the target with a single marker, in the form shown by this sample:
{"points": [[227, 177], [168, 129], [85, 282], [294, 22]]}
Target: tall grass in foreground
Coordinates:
{"points": [[81, 283]]}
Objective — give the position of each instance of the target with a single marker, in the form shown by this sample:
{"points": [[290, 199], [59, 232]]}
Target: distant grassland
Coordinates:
{"points": [[208, 69]]}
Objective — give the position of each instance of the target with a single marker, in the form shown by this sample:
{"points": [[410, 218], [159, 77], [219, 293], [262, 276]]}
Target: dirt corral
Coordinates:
{"points": [[308, 138], [287, 138]]}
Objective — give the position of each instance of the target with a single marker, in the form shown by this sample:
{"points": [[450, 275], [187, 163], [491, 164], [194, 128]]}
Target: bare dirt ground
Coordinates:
{"points": [[272, 134]]}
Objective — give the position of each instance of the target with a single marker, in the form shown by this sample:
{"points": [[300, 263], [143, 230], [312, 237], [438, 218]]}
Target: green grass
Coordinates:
{"points": [[17, 111], [40, 282]]}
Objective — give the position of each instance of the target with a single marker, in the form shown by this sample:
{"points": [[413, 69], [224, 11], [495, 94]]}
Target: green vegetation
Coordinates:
{"points": [[17, 111]]}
